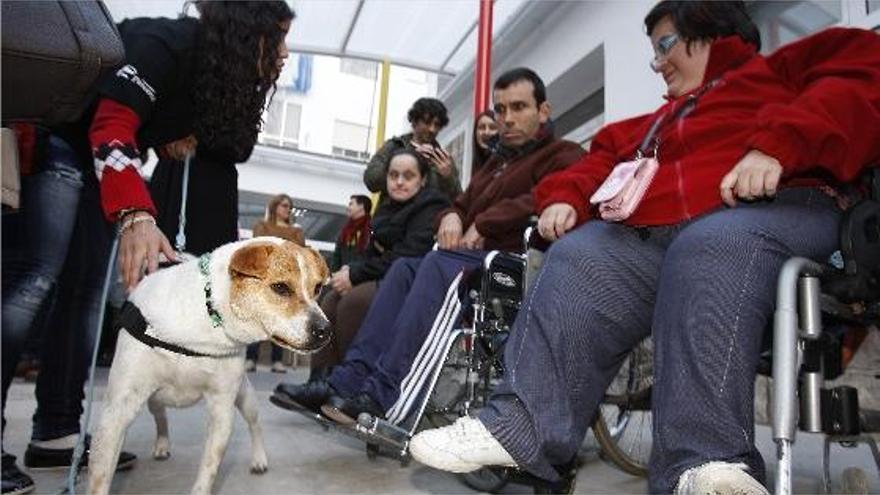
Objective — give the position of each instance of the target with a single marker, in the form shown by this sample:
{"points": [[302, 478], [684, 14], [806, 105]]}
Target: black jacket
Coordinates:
{"points": [[399, 229]]}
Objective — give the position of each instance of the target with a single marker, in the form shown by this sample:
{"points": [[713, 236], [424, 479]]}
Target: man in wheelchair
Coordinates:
{"points": [[755, 155], [419, 300]]}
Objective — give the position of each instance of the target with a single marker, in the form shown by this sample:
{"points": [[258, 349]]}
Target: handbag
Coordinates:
{"points": [[53, 52], [624, 189]]}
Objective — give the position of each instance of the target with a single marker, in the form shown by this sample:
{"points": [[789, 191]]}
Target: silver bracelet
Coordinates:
{"points": [[129, 222]]}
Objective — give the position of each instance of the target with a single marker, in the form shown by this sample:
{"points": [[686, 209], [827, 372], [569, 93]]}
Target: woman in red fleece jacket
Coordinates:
{"points": [[755, 154]]}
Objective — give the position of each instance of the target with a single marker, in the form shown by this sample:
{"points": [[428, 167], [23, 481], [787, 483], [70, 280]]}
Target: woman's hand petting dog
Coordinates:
{"points": [[755, 176], [140, 243], [556, 220]]}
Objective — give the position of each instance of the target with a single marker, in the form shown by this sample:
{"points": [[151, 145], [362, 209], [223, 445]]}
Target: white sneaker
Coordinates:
{"points": [[250, 365], [719, 478], [278, 367], [461, 447]]}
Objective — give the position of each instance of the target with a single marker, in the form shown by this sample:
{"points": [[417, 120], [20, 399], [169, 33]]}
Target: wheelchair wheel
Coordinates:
{"points": [[488, 479], [623, 426]]}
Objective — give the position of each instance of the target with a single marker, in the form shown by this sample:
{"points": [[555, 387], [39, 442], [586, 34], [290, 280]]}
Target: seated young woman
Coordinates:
{"points": [[402, 226]]}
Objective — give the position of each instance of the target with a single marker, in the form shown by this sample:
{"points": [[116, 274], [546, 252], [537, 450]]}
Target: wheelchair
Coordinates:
{"points": [[804, 354], [473, 363]]}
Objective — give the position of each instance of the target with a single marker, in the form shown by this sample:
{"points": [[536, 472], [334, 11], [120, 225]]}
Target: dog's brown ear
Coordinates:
{"points": [[323, 270], [251, 261]]}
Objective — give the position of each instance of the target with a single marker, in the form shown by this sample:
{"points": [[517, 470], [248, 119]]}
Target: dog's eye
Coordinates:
{"points": [[318, 289], [281, 289]]}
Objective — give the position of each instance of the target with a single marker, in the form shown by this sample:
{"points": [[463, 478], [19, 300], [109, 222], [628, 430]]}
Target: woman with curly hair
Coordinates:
{"points": [[211, 78], [187, 85]]}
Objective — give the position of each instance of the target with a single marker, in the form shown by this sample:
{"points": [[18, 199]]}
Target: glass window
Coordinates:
{"points": [[330, 105], [357, 67], [291, 121], [873, 5], [783, 22], [351, 140], [272, 119]]}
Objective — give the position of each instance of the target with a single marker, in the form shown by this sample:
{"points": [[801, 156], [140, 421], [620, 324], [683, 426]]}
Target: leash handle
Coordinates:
{"points": [[180, 239]]}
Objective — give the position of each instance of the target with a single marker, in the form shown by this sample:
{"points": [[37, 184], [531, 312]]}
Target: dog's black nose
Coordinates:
{"points": [[319, 326]]}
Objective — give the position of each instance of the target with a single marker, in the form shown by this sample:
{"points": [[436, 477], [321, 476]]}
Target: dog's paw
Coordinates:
{"points": [[161, 451], [259, 464]]}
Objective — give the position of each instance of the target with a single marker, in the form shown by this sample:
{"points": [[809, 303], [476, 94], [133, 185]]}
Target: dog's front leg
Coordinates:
{"points": [[246, 402], [220, 409]]}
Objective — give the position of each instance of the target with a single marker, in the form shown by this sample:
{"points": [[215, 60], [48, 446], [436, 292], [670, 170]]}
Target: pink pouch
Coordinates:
{"points": [[623, 190]]}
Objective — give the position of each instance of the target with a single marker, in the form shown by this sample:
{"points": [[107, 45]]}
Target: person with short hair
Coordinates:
{"points": [[427, 117], [419, 301], [755, 157], [355, 234]]}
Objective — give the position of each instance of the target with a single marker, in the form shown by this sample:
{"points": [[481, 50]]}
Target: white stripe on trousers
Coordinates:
{"points": [[428, 354]]}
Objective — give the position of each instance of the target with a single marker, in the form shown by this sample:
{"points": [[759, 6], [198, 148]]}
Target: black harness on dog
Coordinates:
{"points": [[132, 320]]}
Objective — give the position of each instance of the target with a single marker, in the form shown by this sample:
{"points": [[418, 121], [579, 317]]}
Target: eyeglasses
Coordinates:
{"points": [[664, 45]]}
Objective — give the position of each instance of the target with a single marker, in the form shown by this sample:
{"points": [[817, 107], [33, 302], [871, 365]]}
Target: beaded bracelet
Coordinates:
{"points": [[130, 220]]}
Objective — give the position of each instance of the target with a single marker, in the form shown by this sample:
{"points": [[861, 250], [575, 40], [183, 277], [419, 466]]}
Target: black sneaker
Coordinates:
{"points": [[39, 458], [346, 411], [309, 396], [15, 481]]}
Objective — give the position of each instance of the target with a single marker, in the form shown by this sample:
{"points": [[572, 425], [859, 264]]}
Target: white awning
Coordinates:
{"points": [[433, 35]]}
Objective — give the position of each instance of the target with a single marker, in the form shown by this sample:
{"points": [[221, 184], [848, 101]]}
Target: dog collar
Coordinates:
{"points": [[213, 314]]}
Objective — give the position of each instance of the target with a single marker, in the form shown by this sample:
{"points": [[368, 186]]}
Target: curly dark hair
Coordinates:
{"points": [[425, 109], [235, 69]]}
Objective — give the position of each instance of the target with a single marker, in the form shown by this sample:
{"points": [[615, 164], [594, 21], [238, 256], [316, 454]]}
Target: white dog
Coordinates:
{"points": [[186, 330]]}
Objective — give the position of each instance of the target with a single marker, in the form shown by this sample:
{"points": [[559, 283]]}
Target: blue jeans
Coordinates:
{"points": [[403, 335], [75, 265], [704, 289]]}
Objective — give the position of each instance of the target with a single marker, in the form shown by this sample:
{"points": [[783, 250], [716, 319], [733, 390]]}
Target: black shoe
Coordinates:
{"points": [[40, 458], [346, 411], [309, 396], [15, 481]]}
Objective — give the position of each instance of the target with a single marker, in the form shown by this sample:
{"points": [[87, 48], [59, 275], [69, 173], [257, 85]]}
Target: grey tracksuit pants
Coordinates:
{"points": [[705, 289]]}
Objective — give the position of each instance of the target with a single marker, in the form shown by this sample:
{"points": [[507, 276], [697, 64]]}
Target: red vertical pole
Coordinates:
{"points": [[484, 57]]}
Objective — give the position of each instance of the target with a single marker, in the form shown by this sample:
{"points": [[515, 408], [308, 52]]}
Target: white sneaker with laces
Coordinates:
{"points": [[461, 447], [719, 478]]}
